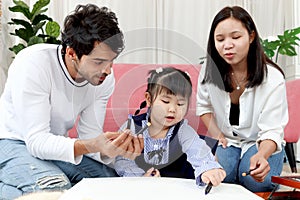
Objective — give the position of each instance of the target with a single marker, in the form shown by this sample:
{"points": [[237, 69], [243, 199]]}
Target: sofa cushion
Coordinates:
{"points": [[131, 83], [292, 129]]}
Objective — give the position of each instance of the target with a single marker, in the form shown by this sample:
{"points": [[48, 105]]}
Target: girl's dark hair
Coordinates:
{"points": [[89, 24], [218, 70], [170, 80]]}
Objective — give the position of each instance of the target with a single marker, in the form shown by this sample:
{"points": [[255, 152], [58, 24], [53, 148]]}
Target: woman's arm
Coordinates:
{"points": [[259, 162], [211, 125]]}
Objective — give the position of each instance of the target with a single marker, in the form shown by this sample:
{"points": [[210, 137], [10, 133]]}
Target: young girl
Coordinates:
{"points": [[169, 142]]}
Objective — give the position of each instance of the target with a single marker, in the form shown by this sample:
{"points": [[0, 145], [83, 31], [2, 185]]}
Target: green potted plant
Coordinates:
{"points": [[36, 28], [283, 44]]}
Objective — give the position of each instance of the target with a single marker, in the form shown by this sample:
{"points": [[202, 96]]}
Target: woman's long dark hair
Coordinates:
{"points": [[218, 70]]}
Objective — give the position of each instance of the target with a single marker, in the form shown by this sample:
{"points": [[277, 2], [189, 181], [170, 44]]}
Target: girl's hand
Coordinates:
{"points": [[152, 173], [215, 176]]}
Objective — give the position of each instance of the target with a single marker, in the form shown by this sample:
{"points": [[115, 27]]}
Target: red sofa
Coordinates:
{"points": [[292, 130], [131, 82]]}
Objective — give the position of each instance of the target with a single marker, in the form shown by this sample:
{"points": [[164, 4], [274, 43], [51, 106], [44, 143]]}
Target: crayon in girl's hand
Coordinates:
{"points": [[208, 188], [153, 173]]}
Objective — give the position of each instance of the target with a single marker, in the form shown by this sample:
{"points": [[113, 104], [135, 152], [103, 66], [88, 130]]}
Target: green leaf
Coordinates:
{"points": [[38, 27], [37, 7], [35, 40], [33, 29], [17, 48], [21, 3], [53, 29], [269, 53], [273, 44], [285, 45], [25, 34], [25, 11], [40, 18], [296, 30], [52, 40], [37, 13], [269, 47], [21, 22], [288, 50]]}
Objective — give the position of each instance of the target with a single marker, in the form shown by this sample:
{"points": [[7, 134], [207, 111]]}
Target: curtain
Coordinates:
{"points": [[6, 41], [2, 73], [176, 31], [295, 72]]}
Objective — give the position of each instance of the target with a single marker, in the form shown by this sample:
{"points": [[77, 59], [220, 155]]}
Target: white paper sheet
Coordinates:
{"points": [[145, 188]]}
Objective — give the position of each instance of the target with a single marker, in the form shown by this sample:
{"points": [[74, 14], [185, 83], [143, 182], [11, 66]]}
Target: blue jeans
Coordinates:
{"points": [[22, 173], [230, 160], [88, 168]]}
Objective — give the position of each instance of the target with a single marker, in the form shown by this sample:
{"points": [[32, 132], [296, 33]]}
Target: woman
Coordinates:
{"points": [[242, 101]]}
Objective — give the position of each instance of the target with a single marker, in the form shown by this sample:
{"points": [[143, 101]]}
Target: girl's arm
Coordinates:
{"points": [[127, 168], [198, 153], [214, 176]]}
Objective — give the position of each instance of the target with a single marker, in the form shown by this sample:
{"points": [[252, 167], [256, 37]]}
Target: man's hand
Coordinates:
{"points": [[111, 144], [134, 148]]}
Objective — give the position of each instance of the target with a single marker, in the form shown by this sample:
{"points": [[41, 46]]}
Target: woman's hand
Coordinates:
{"points": [[152, 173], [260, 167], [215, 176], [259, 161], [222, 140]]}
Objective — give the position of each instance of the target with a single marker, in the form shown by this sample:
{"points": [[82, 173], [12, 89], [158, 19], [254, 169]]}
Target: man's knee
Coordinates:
{"points": [[53, 183], [47, 183]]}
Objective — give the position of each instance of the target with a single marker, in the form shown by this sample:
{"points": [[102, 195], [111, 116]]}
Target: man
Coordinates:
{"points": [[48, 87]]}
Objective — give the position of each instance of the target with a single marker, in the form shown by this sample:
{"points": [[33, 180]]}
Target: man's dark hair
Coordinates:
{"points": [[89, 24]]}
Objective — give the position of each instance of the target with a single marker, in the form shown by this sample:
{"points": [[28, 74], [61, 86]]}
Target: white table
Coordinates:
{"points": [[153, 188]]}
